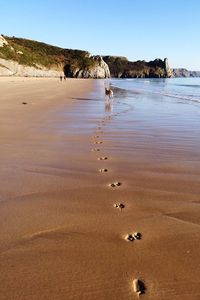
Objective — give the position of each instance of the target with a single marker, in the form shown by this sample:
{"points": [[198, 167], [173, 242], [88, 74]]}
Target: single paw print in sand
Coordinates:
{"points": [[95, 149], [103, 170], [102, 158], [115, 184], [119, 206], [133, 237], [98, 142], [138, 286]]}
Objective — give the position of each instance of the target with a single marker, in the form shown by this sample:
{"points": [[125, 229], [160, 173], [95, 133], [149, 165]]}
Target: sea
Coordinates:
{"points": [[161, 112], [165, 112], [187, 89]]}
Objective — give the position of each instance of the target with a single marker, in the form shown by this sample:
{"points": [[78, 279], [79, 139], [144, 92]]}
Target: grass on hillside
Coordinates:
{"points": [[33, 53]]}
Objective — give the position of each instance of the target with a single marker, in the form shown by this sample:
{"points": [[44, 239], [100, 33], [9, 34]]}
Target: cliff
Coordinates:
{"points": [[97, 69], [180, 72], [13, 68], [120, 67], [23, 57]]}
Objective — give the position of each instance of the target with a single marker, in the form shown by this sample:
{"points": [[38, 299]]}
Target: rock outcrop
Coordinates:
{"points": [[120, 67], [13, 68], [97, 69], [3, 41], [168, 71]]}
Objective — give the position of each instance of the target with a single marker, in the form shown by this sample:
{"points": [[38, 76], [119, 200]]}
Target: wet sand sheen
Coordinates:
{"points": [[61, 236]]}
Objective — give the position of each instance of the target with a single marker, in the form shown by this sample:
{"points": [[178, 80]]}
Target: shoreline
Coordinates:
{"points": [[62, 237]]}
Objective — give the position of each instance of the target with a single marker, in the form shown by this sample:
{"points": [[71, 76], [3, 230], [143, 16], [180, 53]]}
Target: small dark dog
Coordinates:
{"points": [[108, 92]]}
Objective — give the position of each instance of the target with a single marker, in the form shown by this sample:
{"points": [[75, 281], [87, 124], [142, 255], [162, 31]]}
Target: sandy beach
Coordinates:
{"points": [[61, 236]]}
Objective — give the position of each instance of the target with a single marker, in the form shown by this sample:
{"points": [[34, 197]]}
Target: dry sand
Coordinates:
{"points": [[60, 235]]}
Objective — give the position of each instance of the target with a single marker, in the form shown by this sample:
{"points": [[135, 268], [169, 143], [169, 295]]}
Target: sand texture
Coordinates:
{"points": [[68, 163]]}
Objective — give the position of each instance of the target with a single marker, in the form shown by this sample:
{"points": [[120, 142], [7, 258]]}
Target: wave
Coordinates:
{"points": [[181, 97], [189, 85], [137, 91]]}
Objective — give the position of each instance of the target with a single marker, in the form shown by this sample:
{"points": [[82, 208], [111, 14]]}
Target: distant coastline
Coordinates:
{"points": [[181, 72]]}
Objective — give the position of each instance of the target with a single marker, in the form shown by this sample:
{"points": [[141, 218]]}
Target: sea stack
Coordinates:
{"points": [[168, 71]]}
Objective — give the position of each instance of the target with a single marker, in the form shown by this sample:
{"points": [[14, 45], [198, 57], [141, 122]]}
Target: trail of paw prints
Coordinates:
{"points": [[138, 285]]}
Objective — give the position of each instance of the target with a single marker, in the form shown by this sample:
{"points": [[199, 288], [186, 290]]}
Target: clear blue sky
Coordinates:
{"points": [[138, 29]]}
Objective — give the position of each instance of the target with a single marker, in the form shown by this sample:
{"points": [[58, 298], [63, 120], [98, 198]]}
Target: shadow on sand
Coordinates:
{"points": [[86, 99]]}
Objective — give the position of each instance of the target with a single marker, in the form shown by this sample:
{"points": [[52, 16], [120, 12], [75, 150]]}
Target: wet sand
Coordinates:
{"points": [[61, 236]]}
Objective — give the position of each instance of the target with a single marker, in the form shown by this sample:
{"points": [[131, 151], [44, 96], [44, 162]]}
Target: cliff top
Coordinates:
{"points": [[33, 53]]}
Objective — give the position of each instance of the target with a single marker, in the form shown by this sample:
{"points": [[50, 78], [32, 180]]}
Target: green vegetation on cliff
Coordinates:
{"points": [[33, 53]]}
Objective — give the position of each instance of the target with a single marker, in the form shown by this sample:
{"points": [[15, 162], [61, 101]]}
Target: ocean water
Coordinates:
{"points": [[163, 99], [187, 89], [158, 114]]}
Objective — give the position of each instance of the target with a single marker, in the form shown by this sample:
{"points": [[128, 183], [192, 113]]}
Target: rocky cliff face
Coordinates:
{"points": [[97, 69], [3, 41], [22, 57], [120, 67], [13, 68]]}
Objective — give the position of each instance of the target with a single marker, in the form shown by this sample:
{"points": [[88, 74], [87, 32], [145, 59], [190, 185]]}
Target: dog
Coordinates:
{"points": [[108, 92]]}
